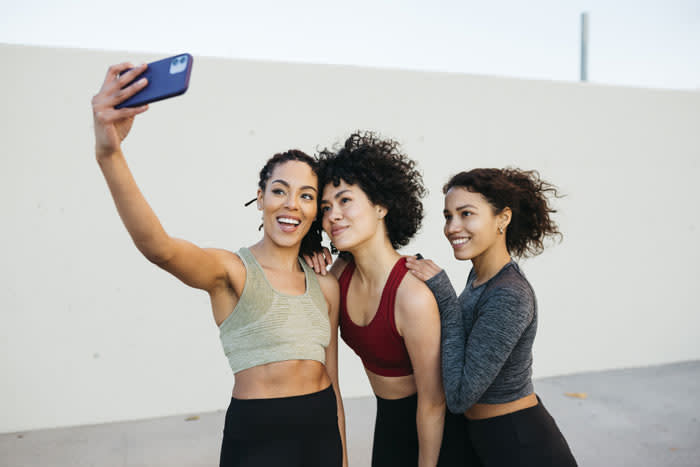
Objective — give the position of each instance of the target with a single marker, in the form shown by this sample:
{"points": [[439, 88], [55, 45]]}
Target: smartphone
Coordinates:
{"points": [[168, 77]]}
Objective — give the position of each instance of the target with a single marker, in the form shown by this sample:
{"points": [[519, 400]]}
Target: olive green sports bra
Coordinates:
{"points": [[270, 326]]}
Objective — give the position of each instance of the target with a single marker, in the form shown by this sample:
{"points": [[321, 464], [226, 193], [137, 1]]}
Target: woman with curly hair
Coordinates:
{"points": [[370, 206], [491, 216], [277, 320]]}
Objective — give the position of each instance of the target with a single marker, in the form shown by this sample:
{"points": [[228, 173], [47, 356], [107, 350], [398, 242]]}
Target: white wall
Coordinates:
{"points": [[91, 332]]}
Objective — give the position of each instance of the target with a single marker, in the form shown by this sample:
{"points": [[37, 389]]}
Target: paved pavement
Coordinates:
{"points": [[641, 417]]}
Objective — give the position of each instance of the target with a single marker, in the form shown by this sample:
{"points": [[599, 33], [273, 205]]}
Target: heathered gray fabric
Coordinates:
{"points": [[487, 336]]}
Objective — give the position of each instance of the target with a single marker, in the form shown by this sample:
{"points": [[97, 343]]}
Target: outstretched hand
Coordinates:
{"points": [[112, 125], [423, 269], [319, 261]]}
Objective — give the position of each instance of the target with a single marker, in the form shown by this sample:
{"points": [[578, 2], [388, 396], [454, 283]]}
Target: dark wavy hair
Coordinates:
{"points": [[312, 240], [385, 174], [528, 197]]}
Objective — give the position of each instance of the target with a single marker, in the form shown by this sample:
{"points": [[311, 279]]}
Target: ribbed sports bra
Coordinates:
{"points": [[269, 326], [379, 344]]}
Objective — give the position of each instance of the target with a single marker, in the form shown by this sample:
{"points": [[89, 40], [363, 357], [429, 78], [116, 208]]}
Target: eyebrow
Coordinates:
{"points": [[284, 182], [461, 208], [337, 195]]}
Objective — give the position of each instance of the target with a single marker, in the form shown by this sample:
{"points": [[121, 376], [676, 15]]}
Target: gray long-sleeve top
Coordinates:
{"points": [[487, 337]]}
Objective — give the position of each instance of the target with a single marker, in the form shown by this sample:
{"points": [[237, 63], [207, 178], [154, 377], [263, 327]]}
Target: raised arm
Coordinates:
{"points": [[197, 267], [419, 324], [331, 291]]}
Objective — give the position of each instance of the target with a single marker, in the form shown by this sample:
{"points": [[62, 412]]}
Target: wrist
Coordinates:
{"points": [[106, 154]]}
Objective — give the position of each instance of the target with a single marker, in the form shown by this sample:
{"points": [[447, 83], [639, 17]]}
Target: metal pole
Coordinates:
{"points": [[584, 47]]}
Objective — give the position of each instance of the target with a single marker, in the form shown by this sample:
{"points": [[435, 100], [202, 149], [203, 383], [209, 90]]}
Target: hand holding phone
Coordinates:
{"points": [[168, 77]]}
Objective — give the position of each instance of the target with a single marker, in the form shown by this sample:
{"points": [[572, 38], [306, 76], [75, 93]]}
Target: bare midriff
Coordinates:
{"points": [[281, 379], [392, 387], [482, 411]]}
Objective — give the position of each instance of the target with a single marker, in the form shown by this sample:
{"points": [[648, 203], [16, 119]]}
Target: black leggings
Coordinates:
{"points": [[298, 431], [396, 436], [526, 438]]}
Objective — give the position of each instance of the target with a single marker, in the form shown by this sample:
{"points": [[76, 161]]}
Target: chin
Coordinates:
{"points": [[287, 242], [462, 256], [341, 245]]}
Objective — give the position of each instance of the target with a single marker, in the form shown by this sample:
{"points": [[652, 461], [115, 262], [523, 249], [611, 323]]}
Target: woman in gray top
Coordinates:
{"points": [[488, 331]]}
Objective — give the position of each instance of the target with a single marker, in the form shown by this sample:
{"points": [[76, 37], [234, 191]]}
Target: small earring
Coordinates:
{"points": [[500, 230], [334, 250]]}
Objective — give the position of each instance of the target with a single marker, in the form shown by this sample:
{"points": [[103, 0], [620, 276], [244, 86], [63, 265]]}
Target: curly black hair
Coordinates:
{"points": [[385, 174], [311, 242], [526, 194]]}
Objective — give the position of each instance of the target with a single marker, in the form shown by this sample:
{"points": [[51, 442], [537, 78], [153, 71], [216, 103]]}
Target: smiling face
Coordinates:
{"points": [[471, 226], [289, 203], [349, 218]]}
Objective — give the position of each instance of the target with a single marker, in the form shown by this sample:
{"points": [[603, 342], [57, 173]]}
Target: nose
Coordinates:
{"points": [[452, 226], [291, 202], [333, 214]]}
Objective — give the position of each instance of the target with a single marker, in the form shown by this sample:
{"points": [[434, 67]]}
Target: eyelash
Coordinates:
{"points": [[279, 191], [463, 213]]}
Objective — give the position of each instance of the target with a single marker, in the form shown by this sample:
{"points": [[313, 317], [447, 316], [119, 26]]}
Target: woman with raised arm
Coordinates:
{"points": [[277, 319], [492, 215], [370, 206]]}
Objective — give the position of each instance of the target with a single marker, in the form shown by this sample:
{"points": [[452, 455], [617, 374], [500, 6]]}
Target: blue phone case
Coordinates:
{"points": [[168, 77]]}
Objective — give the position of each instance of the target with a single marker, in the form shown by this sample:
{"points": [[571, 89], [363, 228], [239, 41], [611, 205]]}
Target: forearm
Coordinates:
{"points": [[430, 420], [136, 214], [453, 341]]}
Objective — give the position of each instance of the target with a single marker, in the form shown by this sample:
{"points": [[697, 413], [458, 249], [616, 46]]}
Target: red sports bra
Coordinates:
{"points": [[378, 344]]}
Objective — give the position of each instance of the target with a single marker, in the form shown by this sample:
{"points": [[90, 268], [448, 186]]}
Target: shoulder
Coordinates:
{"points": [[232, 263], [331, 292], [510, 293], [329, 284], [511, 283], [414, 297], [338, 266]]}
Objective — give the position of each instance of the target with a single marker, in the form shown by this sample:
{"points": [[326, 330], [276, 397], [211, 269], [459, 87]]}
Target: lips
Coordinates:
{"points": [[458, 242], [337, 230], [288, 223]]}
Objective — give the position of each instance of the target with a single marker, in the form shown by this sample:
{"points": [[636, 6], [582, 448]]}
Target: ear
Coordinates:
{"points": [[381, 212], [504, 217], [259, 202]]}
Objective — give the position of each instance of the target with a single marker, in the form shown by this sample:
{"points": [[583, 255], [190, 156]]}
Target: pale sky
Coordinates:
{"points": [[648, 43]]}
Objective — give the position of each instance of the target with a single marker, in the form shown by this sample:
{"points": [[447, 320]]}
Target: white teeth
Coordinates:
{"points": [[459, 241], [287, 220]]}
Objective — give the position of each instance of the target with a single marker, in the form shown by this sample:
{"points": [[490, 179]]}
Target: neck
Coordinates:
{"points": [[277, 257], [487, 264], [374, 259]]}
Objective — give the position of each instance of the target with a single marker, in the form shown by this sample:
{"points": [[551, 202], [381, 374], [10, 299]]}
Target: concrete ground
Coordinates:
{"points": [[642, 417]]}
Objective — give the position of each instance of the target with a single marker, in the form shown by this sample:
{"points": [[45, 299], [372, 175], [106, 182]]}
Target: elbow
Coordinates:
{"points": [[431, 405], [153, 251], [456, 404]]}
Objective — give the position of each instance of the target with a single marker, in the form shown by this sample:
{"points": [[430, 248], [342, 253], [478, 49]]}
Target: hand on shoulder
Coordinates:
{"points": [[423, 269]]}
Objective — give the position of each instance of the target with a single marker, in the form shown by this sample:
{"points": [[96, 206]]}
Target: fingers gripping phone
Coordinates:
{"points": [[168, 77]]}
